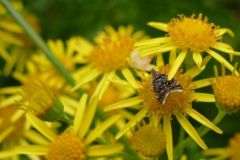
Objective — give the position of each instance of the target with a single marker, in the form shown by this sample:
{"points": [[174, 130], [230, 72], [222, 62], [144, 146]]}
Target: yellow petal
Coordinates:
{"points": [[130, 78], [194, 71], [104, 150], [10, 26], [97, 132], [160, 61], [9, 90], [124, 103], [204, 121], [158, 49], [222, 31], [35, 137], [191, 131], [158, 25], [156, 41], [103, 84], [87, 78], [176, 64], [202, 83], [167, 128], [5, 133], [225, 48], [197, 57], [142, 113], [40, 126], [172, 57], [7, 154], [79, 113], [88, 116], [215, 151], [222, 60], [40, 150], [204, 97]]}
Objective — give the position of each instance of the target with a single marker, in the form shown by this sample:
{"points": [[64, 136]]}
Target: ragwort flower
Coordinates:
{"points": [[112, 53], [75, 143], [178, 104], [188, 35]]}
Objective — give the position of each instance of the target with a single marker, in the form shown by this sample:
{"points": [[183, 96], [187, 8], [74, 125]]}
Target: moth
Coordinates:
{"points": [[162, 87]]}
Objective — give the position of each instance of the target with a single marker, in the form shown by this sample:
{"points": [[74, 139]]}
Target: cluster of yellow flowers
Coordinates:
{"points": [[129, 88]]}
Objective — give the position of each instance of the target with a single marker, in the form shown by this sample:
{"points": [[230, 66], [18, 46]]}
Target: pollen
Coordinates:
{"points": [[149, 141], [194, 34], [175, 103], [233, 148], [112, 53], [67, 147], [37, 97], [227, 92]]}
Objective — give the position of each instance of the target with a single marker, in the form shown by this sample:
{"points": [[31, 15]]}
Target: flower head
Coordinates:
{"points": [[77, 142], [149, 141], [178, 104], [188, 35], [227, 91], [111, 53]]}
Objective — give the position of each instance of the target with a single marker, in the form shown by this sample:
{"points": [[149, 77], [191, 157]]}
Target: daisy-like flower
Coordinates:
{"points": [[112, 53], [77, 142], [68, 53], [178, 104], [227, 91], [229, 152], [188, 35]]}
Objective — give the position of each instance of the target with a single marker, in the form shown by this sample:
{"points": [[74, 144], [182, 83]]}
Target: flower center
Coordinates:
{"points": [[227, 92], [112, 53], [194, 34], [175, 103], [67, 147], [149, 141], [234, 146]]}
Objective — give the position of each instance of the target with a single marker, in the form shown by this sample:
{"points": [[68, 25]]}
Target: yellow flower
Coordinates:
{"points": [[112, 53], [188, 35], [230, 152], [149, 141], [69, 53], [178, 104], [78, 142], [227, 91]]}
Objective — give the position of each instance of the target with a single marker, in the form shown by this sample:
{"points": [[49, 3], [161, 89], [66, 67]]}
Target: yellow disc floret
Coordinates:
{"points": [[112, 53], [227, 92], [67, 147], [149, 141], [194, 34]]}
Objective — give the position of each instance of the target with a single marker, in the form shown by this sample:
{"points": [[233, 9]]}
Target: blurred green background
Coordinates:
{"points": [[66, 18]]}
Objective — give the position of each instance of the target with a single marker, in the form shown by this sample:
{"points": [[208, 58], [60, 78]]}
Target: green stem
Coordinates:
{"points": [[202, 131], [39, 42]]}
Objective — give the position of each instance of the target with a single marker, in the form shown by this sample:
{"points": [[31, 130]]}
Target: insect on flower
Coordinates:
{"points": [[163, 87]]}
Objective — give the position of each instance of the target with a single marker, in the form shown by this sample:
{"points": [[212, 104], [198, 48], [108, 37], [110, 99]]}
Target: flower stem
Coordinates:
{"points": [[39, 42], [202, 131]]}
